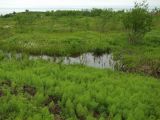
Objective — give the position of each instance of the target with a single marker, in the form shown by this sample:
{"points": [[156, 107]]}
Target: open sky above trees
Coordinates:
{"points": [[71, 3]]}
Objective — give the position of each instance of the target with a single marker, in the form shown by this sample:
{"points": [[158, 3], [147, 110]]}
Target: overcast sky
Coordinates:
{"points": [[70, 3]]}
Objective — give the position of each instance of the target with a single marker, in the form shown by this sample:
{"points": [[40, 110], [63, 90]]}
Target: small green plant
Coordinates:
{"points": [[81, 111]]}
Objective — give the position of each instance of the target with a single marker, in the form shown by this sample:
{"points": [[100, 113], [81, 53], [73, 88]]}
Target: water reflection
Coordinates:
{"points": [[88, 59]]}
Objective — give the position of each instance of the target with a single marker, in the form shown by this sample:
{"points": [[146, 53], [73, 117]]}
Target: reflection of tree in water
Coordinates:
{"points": [[88, 59]]}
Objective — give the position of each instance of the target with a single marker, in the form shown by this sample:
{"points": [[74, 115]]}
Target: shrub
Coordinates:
{"points": [[137, 22]]}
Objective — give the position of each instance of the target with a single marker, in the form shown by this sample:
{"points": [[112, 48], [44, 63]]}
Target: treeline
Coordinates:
{"points": [[84, 12], [92, 13], [87, 12]]}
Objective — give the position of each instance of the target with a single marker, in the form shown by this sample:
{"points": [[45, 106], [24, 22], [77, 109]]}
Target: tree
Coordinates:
{"points": [[27, 11], [156, 11], [137, 22]]}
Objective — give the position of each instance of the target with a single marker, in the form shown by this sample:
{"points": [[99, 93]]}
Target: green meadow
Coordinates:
{"points": [[67, 33], [43, 90]]}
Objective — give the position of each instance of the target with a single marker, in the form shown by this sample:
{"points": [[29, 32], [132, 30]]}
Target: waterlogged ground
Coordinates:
{"points": [[61, 36], [42, 79]]}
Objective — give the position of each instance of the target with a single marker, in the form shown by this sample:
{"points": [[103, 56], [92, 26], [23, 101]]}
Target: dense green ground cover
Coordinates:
{"points": [[39, 90], [72, 33]]}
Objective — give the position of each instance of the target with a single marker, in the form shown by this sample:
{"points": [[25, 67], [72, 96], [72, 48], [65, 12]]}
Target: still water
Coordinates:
{"points": [[88, 59]]}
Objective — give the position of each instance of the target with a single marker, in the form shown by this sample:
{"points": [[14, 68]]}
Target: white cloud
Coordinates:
{"points": [[69, 3]]}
